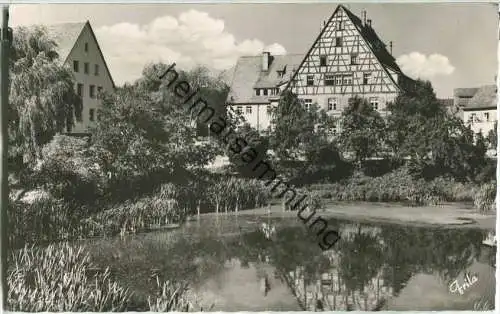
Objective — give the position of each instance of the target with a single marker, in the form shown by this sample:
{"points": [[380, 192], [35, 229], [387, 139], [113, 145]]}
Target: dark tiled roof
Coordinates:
{"points": [[376, 44], [485, 97], [65, 36], [446, 102], [465, 92], [248, 75]]}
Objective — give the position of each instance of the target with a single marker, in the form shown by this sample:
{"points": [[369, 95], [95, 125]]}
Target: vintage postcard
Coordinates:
{"points": [[249, 156]]}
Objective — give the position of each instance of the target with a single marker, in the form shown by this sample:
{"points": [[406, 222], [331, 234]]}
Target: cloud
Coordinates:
{"points": [[418, 65], [192, 38]]}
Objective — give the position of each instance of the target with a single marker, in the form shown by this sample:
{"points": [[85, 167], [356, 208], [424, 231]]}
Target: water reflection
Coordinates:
{"points": [[372, 267]]}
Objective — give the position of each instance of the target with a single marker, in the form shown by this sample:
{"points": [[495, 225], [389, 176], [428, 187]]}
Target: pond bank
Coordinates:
{"points": [[450, 215]]}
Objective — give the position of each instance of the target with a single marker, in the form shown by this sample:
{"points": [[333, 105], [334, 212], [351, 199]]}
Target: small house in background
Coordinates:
{"points": [[79, 49], [477, 107]]}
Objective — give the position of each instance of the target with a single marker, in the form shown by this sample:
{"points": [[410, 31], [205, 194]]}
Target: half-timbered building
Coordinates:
{"points": [[346, 59]]}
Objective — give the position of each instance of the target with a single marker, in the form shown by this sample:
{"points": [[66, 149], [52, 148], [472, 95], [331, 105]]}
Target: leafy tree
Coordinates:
{"points": [[300, 135], [42, 100], [143, 136], [437, 143], [410, 124], [362, 130]]}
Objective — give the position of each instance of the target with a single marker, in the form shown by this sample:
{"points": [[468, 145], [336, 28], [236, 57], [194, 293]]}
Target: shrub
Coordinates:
{"points": [[68, 172], [58, 279], [485, 198], [396, 186]]}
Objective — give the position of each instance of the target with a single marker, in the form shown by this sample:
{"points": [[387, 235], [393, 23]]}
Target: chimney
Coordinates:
{"points": [[265, 60], [364, 17], [390, 46], [369, 21]]}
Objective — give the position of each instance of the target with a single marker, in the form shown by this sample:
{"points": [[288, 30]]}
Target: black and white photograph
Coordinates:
{"points": [[230, 156]]}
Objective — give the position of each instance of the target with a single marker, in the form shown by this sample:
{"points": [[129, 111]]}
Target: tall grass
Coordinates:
{"points": [[62, 278], [172, 297], [485, 197], [233, 194], [44, 221], [57, 279], [134, 216]]}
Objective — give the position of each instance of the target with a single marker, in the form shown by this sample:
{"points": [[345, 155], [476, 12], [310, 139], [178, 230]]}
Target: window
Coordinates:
{"points": [[99, 91], [91, 114], [239, 109], [329, 79], [374, 103], [92, 91], [338, 41], [86, 47], [310, 80], [248, 109], [472, 118], [487, 116], [79, 89], [322, 61], [347, 79], [76, 66], [332, 130], [265, 92], [366, 78], [96, 69], [277, 91], [307, 103], [332, 104], [257, 92], [338, 79], [354, 58], [340, 25], [86, 68]]}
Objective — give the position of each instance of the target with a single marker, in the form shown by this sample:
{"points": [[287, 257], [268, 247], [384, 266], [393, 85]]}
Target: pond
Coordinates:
{"points": [[231, 265]]}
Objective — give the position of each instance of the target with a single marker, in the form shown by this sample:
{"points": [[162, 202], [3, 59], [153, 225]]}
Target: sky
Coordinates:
{"points": [[451, 44]]}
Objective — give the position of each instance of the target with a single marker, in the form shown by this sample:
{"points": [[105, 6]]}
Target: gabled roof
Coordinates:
{"points": [[465, 92], [484, 98], [375, 44], [65, 36], [248, 75], [448, 102]]}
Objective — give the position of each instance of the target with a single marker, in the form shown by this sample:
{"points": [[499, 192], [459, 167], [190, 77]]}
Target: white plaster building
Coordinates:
{"points": [[79, 49], [478, 107]]}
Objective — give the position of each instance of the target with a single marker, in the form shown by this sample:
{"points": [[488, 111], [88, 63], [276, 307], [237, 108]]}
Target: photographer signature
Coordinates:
{"points": [[469, 281]]}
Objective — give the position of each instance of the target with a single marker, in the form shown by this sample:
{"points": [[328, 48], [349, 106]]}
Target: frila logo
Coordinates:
{"points": [[468, 282]]}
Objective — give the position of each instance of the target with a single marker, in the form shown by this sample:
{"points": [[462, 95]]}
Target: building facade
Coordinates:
{"points": [[79, 50], [346, 59], [477, 107]]}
